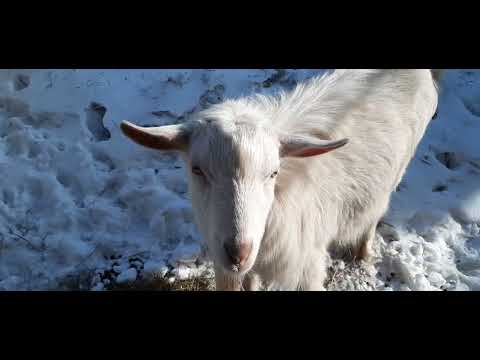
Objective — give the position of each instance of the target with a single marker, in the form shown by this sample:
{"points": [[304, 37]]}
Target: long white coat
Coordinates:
{"points": [[332, 200]]}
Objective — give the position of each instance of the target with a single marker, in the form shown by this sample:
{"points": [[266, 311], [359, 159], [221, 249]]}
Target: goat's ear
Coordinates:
{"points": [[305, 147], [170, 137]]}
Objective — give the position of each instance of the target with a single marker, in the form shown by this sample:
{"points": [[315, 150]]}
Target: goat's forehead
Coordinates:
{"points": [[235, 147]]}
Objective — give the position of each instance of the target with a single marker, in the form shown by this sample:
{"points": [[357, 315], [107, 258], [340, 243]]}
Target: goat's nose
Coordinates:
{"points": [[238, 252]]}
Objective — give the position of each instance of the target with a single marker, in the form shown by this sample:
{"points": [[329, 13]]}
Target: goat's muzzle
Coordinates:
{"points": [[238, 253]]}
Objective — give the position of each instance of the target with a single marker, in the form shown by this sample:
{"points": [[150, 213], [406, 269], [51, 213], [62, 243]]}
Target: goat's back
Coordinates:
{"points": [[384, 113]]}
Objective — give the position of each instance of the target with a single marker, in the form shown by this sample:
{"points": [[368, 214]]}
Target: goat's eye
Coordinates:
{"points": [[197, 171], [274, 174]]}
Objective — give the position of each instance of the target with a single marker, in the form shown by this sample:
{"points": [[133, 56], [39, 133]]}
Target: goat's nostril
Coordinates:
{"points": [[232, 253], [238, 253]]}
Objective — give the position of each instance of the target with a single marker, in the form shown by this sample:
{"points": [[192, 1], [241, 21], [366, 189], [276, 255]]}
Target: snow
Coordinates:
{"points": [[80, 201], [129, 275], [153, 268]]}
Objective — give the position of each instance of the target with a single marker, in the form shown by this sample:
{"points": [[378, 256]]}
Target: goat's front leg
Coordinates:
{"points": [[252, 282], [315, 273], [227, 282], [364, 251]]}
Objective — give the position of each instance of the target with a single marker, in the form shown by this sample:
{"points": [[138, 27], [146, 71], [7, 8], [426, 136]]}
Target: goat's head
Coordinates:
{"points": [[232, 168]]}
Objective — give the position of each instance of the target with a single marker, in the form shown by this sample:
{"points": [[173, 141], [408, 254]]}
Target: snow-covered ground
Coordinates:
{"points": [[82, 207]]}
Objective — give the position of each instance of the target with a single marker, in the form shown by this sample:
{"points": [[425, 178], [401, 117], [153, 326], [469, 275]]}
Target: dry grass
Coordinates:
{"points": [[81, 282], [162, 284], [352, 276]]}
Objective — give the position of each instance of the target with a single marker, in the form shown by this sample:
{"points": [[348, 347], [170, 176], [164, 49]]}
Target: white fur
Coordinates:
{"points": [[334, 199]]}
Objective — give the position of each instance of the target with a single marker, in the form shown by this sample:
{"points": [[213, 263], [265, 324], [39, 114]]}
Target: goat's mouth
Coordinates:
{"points": [[234, 263], [238, 269]]}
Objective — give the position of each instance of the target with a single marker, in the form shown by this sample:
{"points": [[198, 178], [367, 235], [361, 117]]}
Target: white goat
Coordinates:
{"points": [[267, 205]]}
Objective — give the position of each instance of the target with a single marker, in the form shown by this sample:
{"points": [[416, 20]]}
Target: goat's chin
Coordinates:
{"points": [[233, 270]]}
